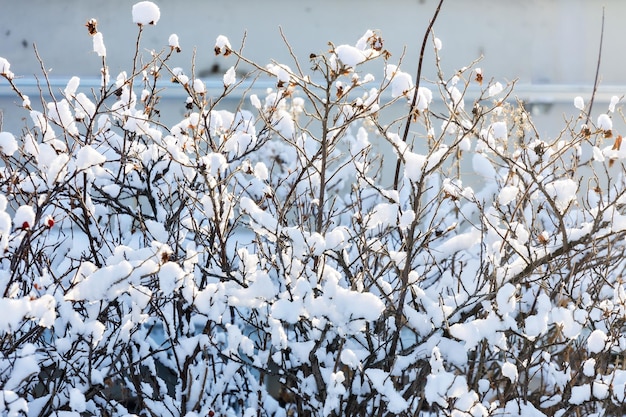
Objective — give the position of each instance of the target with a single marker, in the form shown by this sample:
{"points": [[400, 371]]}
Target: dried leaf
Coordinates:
{"points": [[618, 143]]}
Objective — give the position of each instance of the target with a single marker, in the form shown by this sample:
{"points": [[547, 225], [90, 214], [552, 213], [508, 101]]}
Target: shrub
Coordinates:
{"points": [[260, 260]]}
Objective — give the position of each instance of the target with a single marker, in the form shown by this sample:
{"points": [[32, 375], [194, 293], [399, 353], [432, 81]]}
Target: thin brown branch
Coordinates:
{"points": [[418, 76], [596, 80]]}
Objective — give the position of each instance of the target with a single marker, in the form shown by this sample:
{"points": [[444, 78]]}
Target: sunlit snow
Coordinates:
{"points": [[146, 13]]}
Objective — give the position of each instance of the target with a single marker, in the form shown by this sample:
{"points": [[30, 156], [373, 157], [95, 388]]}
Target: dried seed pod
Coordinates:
{"points": [[92, 26]]}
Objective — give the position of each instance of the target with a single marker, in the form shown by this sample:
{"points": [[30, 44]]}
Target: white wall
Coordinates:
{"points": [[550, 45], [539, 41]]}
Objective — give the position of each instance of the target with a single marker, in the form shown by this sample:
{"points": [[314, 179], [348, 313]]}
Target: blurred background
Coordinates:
{"points": [[551, 46]]}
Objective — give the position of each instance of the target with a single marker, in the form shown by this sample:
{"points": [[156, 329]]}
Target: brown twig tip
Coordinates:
{"points": [[92, 26]]}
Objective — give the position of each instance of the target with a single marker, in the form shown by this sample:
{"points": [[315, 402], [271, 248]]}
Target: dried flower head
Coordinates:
{"points": [[92, 26]]}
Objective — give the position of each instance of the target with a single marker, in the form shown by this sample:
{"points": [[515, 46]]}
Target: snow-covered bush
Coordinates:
{"points": [[256, 260]]}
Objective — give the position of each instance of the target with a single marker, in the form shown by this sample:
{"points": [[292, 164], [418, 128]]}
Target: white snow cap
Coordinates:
{"points": [[596, 341], [24, 217], [8, 144], [146, 13], [173, 42], [401, 82], [98, 45], [605, 123], [222, 45], [579, 103], [438, 44], [230, 77], [499, 130], [350, 56], [88, 157], [613, 103], [509, 370], [4, 68], [198, 86], [72, 86]]}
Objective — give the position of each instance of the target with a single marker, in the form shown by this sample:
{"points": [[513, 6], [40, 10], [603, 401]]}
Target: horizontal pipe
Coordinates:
{"points": [[529, 93]]}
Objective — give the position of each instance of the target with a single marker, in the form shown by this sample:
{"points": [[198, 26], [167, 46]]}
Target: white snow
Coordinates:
{"points": [[206, 238], [483, 167], [495, 89], [508, 194], [198, 86], [579, 103], [282, 73], [84, 107], [43, 310], [94, 285], [580, 394], [146, 13], [382, 383], [5, 68], [563, 192], [77, 400], [98, 45], [261, 171], [613, 103], [60, 112], [316, 244], [382, 215], [180, 76], [596, 342], [566, 318], [349, 358], [72, 86], [458, 102], [350, 56], [413, 165], [25, 366], [509, 370], [24, 217], [8, 144], [288, 311], [230, 77], [263, 219], [222, 45], [597, 154], [87, 157], [255, 102], [600, 390], [18, 308], [401, 82], [536, 324], [424, 98], [589, 367], [499, 130], [173, 42], [170, 277], [604, 122], [506, 298], [336, 238]]}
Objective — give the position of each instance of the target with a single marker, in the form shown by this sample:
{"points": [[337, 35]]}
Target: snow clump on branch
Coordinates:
{"points": [[146, 13], [369, 46]]}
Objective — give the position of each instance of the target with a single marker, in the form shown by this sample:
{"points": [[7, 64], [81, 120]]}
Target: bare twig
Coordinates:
{"points": [[595, 82], [407, 126]]}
